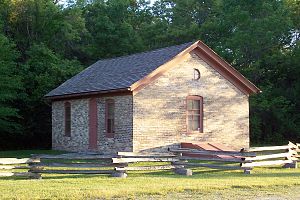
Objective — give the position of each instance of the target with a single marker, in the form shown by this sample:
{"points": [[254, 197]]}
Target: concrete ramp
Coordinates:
{"points": [[208, 147]]}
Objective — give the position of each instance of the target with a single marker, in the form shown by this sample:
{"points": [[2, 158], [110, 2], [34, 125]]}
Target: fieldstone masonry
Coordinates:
{"points": [[79, 126], [122, 140], [154, 118], [79, 141]]}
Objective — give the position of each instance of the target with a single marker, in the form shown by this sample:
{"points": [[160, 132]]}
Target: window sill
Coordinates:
{"points": [[193, 132]]}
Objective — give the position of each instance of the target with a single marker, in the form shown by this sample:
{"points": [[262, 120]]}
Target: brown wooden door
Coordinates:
{"points": [[93, 123]]}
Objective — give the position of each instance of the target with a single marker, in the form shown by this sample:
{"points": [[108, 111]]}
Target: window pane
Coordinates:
{"points": [[189, 104], [67, 119], [110, 126], [110, 110], [196, 123], [196, 104], [110, 115], [194, 113], [190, 124]]}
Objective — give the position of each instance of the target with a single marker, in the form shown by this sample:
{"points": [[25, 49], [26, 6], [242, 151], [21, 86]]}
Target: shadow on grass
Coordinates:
{"points": [[75, 176], [206, 174], [58, 176], [211, 174], [27, 153]]}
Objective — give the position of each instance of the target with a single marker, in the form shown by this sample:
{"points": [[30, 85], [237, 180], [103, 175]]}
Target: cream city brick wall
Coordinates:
{"points": [[159, 113], [79, 140], [79, 126]]}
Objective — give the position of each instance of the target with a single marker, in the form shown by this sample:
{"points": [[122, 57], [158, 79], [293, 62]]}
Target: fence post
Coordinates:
{"points": [[247, 170], [181, 170], [119, 173], [292, 150], [33, 168]]}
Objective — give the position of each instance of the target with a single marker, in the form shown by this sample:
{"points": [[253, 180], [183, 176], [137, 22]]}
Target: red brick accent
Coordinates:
{"points": [[93, 123]]}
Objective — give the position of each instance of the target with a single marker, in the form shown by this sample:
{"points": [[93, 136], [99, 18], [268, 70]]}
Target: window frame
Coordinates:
{"points": [[68, 119], [107, 102], [200, 99]]}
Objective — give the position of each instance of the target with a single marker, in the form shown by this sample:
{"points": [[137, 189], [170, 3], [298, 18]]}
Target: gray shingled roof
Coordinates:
{"points": [[117, 73]]}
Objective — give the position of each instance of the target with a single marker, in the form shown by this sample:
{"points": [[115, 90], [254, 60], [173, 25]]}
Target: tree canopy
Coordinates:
{"points": [[45, 42]]}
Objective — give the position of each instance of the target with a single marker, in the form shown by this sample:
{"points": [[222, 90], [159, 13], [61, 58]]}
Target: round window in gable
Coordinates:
{"points": [[197, 74]]}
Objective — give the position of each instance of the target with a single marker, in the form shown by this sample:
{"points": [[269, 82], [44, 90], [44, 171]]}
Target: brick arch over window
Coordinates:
{"points": [[194, 113], [67, 119]]}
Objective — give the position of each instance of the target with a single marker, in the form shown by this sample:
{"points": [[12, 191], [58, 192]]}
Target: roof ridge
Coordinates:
{"points": [[144, 52]]}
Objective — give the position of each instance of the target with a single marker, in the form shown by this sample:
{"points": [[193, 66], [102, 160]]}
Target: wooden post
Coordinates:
{"points": [[35, 176], [247, 170], [32, 168], [292, 151], [293, 164], [183, 171], [119, 174]]}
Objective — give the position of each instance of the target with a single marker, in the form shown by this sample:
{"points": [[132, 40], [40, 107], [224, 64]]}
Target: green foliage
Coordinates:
{"points": [[52, 41], [9, 86], [42, 72], [110, 29], [35, 21], [257, 37]]}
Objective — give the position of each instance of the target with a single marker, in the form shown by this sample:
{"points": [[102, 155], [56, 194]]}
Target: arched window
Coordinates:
{"points": [[194, 113], [110, 117], [197, 74], [68, 119]]}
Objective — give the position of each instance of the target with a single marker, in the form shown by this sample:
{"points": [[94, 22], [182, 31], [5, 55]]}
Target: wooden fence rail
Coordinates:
{"points": [[180, 160], [212, 153], [222, 159], [271, 156], [15, 163], [75, 163]]}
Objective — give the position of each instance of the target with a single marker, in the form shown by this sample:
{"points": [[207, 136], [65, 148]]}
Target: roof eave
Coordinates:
{"points": [[242, 82], [88, 94]]}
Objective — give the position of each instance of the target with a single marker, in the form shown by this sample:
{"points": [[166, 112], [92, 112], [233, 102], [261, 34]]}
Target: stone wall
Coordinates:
{"points": [[79, 126], [122, 140], [79, 140], [159, 111]]}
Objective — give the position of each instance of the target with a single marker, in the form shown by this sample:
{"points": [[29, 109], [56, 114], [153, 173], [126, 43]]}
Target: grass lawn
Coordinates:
{"points": [[263, 183]]}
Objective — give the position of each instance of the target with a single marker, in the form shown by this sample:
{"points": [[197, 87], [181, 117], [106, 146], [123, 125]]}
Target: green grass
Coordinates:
{"points": [[263, 183]]}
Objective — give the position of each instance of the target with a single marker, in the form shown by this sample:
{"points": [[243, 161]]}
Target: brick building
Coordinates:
{"points": [[152, 100]]}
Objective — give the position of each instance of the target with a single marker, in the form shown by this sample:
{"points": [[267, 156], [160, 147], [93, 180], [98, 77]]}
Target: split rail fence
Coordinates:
{"points": [[12, 166], [180, 160], [286, 155]]}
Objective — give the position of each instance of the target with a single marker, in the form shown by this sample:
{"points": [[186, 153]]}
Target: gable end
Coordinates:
{"points": [[212, 59]]}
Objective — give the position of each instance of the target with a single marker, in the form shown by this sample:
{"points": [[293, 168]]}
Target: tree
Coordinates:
{"points": [[43, 71], [256, 37], [10, 85], [42, 21], [111, 32], [43, 43]]}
